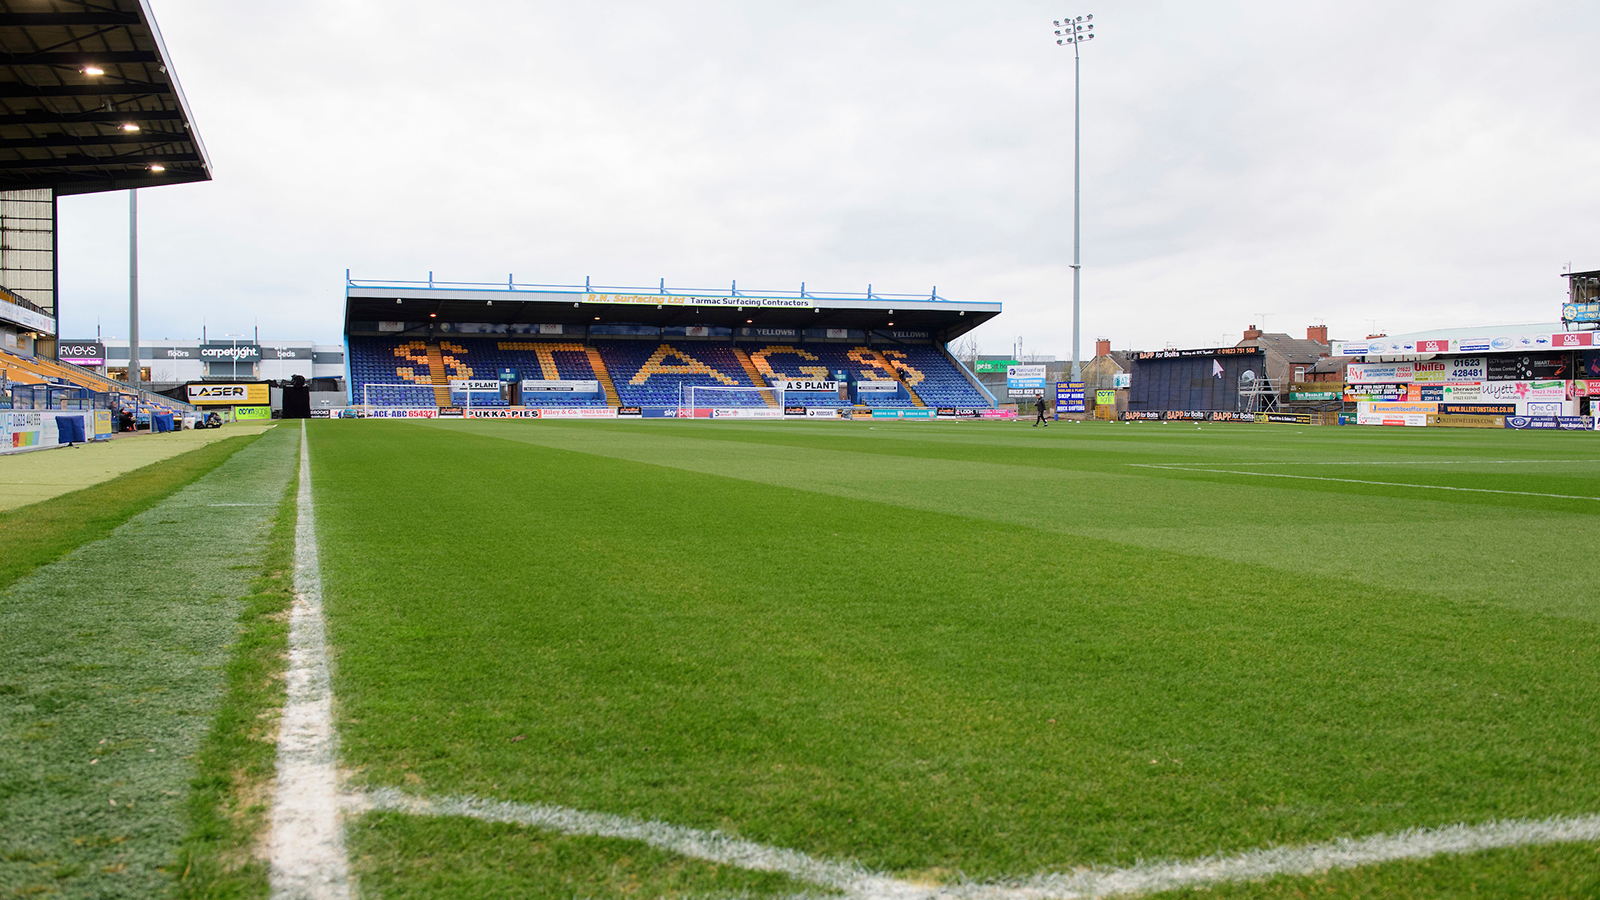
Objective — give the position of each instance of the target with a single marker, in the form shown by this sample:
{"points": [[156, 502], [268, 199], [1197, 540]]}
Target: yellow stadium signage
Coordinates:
{"points": [[225, 394]]}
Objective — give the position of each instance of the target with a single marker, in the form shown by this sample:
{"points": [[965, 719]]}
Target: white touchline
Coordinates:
{"points": [[1383, 462], [306, 840], [1429, 487], [860, 882]]}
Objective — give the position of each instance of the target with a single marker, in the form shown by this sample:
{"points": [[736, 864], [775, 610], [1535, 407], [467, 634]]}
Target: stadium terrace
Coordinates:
{"points": [[424, 349]]}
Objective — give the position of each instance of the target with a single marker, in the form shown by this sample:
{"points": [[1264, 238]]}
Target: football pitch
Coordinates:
{"points": [[904, 661], [727, 659]]}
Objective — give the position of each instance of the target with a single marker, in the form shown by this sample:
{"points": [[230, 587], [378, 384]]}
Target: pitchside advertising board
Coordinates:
{"points": [[225, 394], [1024, 381], [1069, 396], [1561, 423], [1212, 415]]}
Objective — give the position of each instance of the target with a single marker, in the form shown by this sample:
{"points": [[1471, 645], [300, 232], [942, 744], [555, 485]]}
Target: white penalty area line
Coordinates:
{"points": [[1428, 487], [306, 838], [859, 882]]}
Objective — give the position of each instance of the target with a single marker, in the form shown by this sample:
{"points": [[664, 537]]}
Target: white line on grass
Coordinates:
{"points": [[1389, 462], [1430, 487], [853, 879], [306, 842]]}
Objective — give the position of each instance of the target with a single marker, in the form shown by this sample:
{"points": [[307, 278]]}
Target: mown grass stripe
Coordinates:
{"points": [[43, 532], [1430, 487], [112, 660], [307, 838]]}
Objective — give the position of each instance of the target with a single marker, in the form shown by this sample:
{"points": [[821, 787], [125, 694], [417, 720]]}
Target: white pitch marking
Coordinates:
{"points": [[1392, 462], [1430, 487], [306, 841], [853, 879]]}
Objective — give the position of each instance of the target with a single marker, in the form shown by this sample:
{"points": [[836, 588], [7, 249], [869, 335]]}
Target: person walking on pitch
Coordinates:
{"points": [[1042, 406]]}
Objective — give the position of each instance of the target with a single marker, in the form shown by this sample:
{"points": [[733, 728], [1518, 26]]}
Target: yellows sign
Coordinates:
{"points": [[225, 394]]}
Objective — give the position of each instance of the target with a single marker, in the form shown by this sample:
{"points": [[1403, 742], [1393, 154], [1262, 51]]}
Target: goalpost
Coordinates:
{"points": [[696, 396]]}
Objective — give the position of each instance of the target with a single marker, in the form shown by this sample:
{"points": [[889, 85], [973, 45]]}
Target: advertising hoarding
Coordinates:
{"points": [[506, 412], [228, 394], [1357, 392], [229, 352], [1523, 390], [1024, 380], [1580, 312], [1414, 421], [81, 353], [535, 385], [1562, 423], [1477, 409], [794, 384], [1379, 373], [1466, 421], [1069, 397]]}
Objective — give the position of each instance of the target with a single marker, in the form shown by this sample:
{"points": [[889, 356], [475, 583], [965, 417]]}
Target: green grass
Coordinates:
{"points": [[1563, 872], [112, 665], [398, 856], [41, 533], [815, 636], [230, 792]]}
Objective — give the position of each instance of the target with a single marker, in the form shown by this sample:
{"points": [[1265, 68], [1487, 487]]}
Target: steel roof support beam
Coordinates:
{"points": [[80, 140], [46, 19], [79, 162], [78, 57], [51, 117], [109, 89]]}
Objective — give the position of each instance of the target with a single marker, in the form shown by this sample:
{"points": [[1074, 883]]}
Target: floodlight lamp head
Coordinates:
{"points": [[1090, 17], [1056, 23], [1062, 43]]}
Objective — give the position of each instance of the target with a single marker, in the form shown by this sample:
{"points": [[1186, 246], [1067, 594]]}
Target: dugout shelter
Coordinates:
{"points": [[514, 350]]}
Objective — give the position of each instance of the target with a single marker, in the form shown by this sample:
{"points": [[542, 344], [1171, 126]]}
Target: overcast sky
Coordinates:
{"points": [[1398, 166]]}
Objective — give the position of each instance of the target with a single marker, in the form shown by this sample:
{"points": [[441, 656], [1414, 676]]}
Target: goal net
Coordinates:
{"points": [[703, 396]]}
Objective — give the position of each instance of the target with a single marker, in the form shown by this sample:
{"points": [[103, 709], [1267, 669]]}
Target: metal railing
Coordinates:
{"points": [[588, 287]]}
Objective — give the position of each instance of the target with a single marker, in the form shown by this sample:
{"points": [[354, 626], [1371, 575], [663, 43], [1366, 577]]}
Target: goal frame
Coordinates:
{"points": [[688, 402]]}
